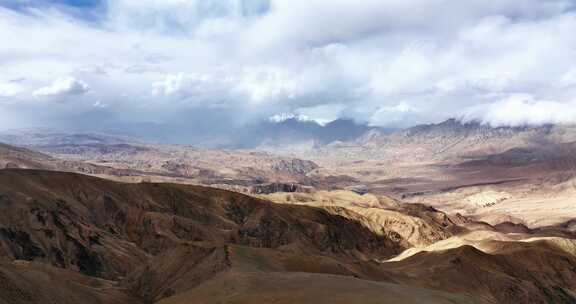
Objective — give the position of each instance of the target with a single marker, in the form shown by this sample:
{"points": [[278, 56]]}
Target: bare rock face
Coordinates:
{"points": [[295, 166], [409, 224], [277, 187], [101, 228], [177, 270]]}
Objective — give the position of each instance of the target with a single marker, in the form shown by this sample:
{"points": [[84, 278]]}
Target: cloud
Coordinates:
{"points": [[63, 87], [522, 110], [9, 89], [394, 115], [387, 63], [252, 84]]}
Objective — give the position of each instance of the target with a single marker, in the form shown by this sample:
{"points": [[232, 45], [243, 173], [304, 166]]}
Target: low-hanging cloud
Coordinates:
{"points": [[522, 110], [392, 63]]}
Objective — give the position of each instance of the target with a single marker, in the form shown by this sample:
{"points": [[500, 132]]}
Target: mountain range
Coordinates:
{"points": [[109, 242], [443, 213]]}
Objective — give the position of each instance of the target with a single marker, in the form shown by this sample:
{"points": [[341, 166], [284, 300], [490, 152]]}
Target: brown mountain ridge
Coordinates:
{"points": [[111, 242]]}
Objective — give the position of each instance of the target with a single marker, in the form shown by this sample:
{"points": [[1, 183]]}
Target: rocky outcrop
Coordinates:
{"points": [[295, 166], [278, 187]]}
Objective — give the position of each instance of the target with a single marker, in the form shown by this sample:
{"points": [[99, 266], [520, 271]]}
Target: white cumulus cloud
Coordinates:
{"points": [[67, 86], [522, 110]]}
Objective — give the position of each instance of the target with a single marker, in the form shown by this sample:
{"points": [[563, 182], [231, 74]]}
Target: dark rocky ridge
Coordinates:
{"points": [[104, 229]]}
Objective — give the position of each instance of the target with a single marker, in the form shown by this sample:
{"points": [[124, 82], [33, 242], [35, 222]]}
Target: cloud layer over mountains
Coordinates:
{"points": [[211, 65]]}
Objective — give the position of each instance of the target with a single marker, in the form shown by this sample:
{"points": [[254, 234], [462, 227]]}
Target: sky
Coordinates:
{"points": [[185, 67]]}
